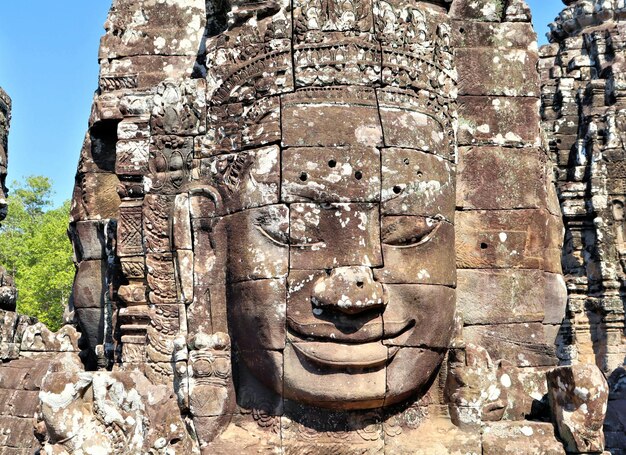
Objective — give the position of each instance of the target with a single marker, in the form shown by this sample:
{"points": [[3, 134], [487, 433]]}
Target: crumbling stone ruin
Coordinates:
{"points": [[583, 111], [27, 347], [318, 227]]}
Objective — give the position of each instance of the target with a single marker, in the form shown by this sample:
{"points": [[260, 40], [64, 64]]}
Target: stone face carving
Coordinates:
{"points": [[578, 398], [298, 193], [336, 243], [310, 227]]}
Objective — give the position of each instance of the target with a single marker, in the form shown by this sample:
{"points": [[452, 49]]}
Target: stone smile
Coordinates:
{"points": [[364, 348], [350, 334], [339, 355]]}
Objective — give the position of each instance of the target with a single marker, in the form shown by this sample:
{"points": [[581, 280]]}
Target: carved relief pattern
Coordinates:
{"points": [[286, 173], [129, 230]]}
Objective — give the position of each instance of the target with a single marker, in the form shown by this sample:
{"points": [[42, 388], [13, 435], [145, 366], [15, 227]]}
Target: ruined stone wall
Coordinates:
{"points": [[27, 347], [583, 112]]}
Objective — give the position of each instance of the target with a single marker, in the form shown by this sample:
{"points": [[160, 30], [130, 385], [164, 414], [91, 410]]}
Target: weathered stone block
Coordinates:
{"points": [[334, 235], [578, 398], [338, 386], [316, 307], [524, 344], [91, 323], [481, 10], [257, 242], [153, 28], [416, 121], [16, 432], [89, 240], [233, 127], [8, 325], [12, 376], [437, 436], [401, 380], [497, 72], [341, 117], [417, 183], [143, 71], [506, 296], [132, 157], [527, 239], [208, 254], [338, 174], [432, 309], [89, 285], [496, 178], [244, 180], [508, 438], [25, 403], [417, 250], [269, 324], [38, 338], [99, 196], [526, 392], [492, 35], [511, 121]]}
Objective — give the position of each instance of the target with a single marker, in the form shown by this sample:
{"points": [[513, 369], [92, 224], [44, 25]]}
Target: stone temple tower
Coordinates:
{"points": [[314, 227], [583, 74]]}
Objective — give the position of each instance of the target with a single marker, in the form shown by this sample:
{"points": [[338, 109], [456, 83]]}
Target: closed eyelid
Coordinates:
{"points": [[424, 239], [270, 237], [287, 245], [427, 238]]}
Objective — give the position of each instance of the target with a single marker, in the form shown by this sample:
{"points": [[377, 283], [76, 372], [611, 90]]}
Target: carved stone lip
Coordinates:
{"points": [[344, 356], [357, 334]]}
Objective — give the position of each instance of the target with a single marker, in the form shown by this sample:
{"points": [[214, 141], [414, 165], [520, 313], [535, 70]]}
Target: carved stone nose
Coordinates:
{"points": [[350, 290]]}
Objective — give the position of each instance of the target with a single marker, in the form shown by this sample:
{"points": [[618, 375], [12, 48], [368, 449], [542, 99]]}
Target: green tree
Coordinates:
{"points": [[34, 247]]}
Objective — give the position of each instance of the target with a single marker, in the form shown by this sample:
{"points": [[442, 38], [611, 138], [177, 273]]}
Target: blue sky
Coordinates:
{"points": [[48, 65]]}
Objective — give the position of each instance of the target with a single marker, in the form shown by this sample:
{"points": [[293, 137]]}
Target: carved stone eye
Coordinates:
{"points": [[274, 232], [408, 231]]}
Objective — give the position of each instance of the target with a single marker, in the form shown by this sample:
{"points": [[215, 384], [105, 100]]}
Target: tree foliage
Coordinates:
{"points": [[35, 249]]}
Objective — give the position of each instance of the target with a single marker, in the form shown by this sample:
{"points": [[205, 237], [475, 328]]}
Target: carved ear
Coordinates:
{"points": [[197, 202], [182, 242], [208, 192]]}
